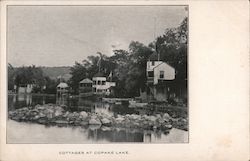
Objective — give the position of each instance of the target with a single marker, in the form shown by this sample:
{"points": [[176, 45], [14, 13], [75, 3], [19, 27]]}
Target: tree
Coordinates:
{"points": [[172, 47], [78, 72], [11, 77]]}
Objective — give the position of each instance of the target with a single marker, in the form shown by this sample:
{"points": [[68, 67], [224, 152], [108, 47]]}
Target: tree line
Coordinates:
{"points": [[24, 75], [128, 67]]}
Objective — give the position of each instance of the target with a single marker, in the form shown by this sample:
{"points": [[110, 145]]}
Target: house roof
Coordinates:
{"points": [[86, 80], [62, 85]]}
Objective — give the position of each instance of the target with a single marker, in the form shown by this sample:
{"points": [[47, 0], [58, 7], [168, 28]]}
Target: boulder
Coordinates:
{"points": [[40, 107], [83, 114], [106, 122], [36, 117], [94, 121], [66, 114], [119, 119], [168, 126], [49, 115], [152, 118], [58, 113], [166, 116], [135, 117], [42, 115]]}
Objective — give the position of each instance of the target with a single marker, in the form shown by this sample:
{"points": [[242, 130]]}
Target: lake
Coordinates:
{"points": [[20, 132]]}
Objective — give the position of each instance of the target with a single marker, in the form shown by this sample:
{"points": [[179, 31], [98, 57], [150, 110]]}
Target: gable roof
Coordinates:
{"points": [[162, 62], [62, 85], [86, 80]]}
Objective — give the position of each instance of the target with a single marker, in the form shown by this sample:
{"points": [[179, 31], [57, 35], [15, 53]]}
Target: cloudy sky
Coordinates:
{"points": [[59, 36]]}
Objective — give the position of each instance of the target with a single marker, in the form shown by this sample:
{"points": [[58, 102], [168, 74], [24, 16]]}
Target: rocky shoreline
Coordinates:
{"points": [[51, 114]]}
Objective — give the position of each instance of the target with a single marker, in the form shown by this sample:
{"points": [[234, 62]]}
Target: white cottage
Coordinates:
{"points": [[159, 71], [160, 77], [101, 85]]}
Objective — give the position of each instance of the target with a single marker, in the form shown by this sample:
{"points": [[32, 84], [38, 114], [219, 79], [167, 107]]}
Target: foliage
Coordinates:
{"points": [[30, 75], [128, 67]]}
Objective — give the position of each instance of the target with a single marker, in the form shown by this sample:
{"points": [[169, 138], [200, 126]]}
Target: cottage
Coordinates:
{"points": [[25, 88], [85, 87], [160, 77], [62, 88], [101, 86]]}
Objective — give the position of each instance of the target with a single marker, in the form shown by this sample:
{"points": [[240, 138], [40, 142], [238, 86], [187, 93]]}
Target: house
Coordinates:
{"points": [[101, 86], [85, 87], [62, 89], [25, 88], [160, 78]]}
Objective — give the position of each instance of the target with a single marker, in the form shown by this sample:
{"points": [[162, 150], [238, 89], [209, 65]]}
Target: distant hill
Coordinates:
{"points": [[56, 72]]}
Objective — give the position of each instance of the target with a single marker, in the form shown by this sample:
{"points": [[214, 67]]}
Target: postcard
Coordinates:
{"points": [[136, 80]]}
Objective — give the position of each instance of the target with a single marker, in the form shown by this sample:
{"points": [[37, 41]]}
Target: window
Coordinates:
{"points": [[103, 82], [99, 82], [161, 74], [153, 63], [150, 73]]}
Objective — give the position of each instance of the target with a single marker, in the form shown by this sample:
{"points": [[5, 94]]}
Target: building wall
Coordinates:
{"points": [[29, 88], [103, 88], [169, 72], [21, 89], [25, 89], [99, 78]]}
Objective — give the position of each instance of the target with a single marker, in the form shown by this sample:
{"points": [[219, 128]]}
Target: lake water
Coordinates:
{"points": [[21, 132]]}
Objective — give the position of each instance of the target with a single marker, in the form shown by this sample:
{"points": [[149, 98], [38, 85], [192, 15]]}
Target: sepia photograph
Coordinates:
{"points": [[97, 74]]}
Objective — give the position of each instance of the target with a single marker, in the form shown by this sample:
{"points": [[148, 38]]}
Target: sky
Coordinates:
{"points": [[61, 35]]}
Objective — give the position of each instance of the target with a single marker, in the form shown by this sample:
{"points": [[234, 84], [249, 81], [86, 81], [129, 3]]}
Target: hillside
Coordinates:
{"points": [[55, 72]]}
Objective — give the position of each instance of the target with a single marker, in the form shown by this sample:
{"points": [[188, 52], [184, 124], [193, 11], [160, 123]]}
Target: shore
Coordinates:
{"points": [[51, 114]]}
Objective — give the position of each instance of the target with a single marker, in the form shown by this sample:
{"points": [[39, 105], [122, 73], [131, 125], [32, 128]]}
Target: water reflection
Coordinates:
{"points": [[19, 132]]}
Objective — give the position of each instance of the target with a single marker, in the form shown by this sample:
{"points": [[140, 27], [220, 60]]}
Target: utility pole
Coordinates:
{"points": [[158, 55]]}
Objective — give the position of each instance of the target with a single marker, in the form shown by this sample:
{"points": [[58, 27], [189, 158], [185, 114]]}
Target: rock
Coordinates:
{"points": [[119, 119], [135, 117], [106, 122], [168, 126], [94, 121], [84, 114], [66, 114], [49, 115], [40, 107], [166, 116], [158, 116], [152, 118], [94, 116], [48, 111], [36, 117], [58, 113], [42, 121], [42, 115], [161, 121]]}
